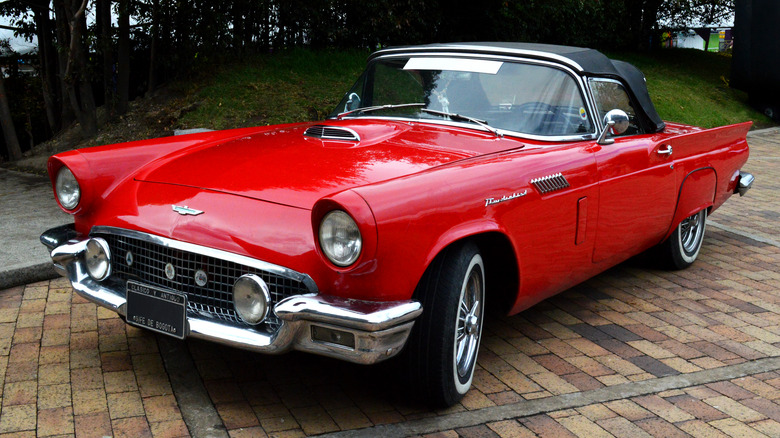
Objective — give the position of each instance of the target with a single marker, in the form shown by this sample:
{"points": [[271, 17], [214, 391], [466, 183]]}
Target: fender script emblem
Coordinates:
{"points": [[491, 201], [186, 210]]}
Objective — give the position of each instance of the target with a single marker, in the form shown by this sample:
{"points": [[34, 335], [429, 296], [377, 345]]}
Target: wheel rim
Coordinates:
{"points": [[690, 232], [469, 325]]}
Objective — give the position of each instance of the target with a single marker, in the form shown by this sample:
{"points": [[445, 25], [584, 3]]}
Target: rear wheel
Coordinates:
{"points": [[684, 244], [442, 350]]}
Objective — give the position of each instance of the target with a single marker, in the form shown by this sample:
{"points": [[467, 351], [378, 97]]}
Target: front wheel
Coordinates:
{"points": [[684, 244], [442, 350]]}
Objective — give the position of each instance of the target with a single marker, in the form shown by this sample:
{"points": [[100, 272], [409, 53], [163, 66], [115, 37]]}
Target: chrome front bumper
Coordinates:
{"points": [[380, 329]]}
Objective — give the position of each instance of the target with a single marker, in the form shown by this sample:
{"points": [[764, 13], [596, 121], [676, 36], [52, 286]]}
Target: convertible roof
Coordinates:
{"points": [[582, 60]]}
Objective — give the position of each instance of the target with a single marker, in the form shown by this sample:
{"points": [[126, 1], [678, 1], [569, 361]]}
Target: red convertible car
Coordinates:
{"points": [[449, 176]]}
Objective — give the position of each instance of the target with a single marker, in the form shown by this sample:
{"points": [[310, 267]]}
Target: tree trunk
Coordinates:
{"points": [[105, 46], [48, 60], [649, 21], [76, 81], [11, 141], [123, 65], [28, 129], [155, 34], [67, 115]]}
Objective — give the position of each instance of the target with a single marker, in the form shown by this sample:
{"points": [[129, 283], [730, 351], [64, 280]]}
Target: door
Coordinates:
{"points": [[637, 186]]}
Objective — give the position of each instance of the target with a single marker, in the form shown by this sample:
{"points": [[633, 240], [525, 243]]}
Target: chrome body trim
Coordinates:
{"points": [[555, 141], [266, 295], [59, 236], [599, 121], [356, 314], [380, 328], [515, 195], [103, 245], [550, 183], [216, 253], [482, 50], [603, 140], [322, 132], [745, 182], [667, 151]]}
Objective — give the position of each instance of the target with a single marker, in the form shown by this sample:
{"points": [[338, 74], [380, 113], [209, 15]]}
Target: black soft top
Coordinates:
{"points": [[582, 60]]}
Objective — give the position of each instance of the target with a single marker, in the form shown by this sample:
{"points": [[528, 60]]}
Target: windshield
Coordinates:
{"points": [[512, 96]]}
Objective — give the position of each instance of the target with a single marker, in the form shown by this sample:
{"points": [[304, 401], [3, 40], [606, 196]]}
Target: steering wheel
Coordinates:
{"points": [[535, 117]]}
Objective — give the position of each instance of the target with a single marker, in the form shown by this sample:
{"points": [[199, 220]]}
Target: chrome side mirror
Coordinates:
{"points": [[615, 123]]}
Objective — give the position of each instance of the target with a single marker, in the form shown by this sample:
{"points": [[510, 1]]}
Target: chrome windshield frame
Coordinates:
{"points": [[578, 78]]}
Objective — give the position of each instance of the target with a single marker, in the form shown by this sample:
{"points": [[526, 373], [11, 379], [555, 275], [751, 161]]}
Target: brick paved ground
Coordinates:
{"points": [[70, 367], [633, 352]]}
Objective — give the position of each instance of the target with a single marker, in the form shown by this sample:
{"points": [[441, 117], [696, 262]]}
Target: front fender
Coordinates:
{"points": [[459, 232]]}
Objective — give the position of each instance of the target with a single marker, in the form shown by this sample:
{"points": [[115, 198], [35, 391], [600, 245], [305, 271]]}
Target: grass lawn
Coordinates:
{"points": [[688, 86], [291, 86], [691, 86]]}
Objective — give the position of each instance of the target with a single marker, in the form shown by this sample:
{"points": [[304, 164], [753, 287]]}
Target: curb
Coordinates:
{"points": [[528, 408], [763, 131], [27, 274]]}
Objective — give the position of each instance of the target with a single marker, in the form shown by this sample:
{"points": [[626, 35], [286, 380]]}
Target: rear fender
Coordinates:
{"points": [[697, 192]]}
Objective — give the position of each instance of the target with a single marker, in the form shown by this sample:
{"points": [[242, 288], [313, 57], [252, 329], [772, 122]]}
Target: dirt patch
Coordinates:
{"points": [[153, 116]]}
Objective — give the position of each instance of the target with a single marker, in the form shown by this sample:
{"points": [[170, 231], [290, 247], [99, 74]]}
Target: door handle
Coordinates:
{"points": [[667, 151]]}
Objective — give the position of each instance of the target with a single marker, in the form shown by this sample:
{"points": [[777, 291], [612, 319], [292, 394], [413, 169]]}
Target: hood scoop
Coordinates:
{"points": [[332, 133]]}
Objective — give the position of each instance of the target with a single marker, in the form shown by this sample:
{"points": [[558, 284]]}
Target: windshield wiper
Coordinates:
{"points": [[377, 108], [461, 117]]}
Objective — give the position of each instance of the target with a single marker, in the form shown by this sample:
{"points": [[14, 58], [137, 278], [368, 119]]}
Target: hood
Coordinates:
{"points": [[286, 167]]}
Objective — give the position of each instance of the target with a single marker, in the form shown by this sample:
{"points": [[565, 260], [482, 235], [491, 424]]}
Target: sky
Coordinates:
{"points": [[19, 45], [22, 46]]}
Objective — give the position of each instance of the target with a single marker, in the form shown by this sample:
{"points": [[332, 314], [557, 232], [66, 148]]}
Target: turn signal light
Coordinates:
{"points": [[331, 336]]}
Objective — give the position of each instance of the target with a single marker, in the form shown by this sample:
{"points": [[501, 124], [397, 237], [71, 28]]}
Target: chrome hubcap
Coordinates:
{"points": [[690, 232], [471, 324], [468, 329]]}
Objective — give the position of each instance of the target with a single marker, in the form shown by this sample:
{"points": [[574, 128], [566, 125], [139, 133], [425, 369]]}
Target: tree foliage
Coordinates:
{"points": [[86, 58], [684, 14]]}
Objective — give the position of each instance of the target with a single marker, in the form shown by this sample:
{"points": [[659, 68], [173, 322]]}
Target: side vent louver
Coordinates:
{"points": [[550, 183], [332, 133]]}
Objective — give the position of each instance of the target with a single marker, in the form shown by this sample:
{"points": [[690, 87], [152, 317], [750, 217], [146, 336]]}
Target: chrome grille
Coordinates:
{"points": [[215, 300], [331, 133], [550, 183]]}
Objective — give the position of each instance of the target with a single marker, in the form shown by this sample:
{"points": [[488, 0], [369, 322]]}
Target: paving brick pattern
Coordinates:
{"points": [[758, 212], [70, 368], [744, 407]]}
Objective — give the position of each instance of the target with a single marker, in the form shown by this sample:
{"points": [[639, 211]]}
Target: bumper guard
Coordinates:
{"points": [[744, 182]]}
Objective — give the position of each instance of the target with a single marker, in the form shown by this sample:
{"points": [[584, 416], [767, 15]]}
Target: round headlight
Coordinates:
{"points": [[340, 238], [68, 191], [98, 259], [250, 298]]}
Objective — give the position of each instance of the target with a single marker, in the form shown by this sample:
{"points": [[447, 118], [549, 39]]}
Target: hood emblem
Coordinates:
{"points": [[186, 210]]}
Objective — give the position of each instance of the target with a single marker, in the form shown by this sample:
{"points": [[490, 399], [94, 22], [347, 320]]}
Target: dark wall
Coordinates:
{"points": [[756, 59]]}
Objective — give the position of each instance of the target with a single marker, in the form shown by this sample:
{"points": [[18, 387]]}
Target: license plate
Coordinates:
{"points": [[157, 309]]}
